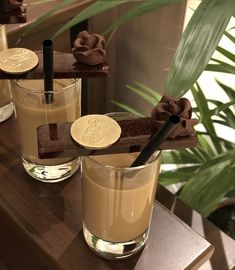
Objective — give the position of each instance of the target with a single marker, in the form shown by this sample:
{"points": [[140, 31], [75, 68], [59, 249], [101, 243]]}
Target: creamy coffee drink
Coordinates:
{"points": [[117, 204], [5, 93], [6, 106], [32, 111]]}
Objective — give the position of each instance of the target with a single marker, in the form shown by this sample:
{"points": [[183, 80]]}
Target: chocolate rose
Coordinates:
{"points": [[89, 49], [182, 107], [10, 5], [15, 3]]}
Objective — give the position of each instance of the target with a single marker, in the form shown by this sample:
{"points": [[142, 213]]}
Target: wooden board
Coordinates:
{"points": [[54, 140], [65, 66]]}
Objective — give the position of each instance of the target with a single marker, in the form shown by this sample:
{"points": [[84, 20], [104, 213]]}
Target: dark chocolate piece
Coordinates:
{"points": [[135, 135], [65, 66], [12, 11], [89, 49], [181, 107]]}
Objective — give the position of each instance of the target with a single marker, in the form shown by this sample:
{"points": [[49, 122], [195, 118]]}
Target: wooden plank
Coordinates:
{"points": [[65, 66], [135, 135]]}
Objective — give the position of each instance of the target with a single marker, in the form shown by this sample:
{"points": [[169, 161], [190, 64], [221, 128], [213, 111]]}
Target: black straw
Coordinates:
{"points": [[48, 69], [157, 139]]}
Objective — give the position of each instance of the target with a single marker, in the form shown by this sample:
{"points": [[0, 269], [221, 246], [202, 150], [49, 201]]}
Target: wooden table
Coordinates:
{"points": [[40, 224]]}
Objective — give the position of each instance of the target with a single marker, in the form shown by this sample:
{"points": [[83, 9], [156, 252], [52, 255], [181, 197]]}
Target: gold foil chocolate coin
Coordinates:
{"points": [[17, 60], [95, 131]]}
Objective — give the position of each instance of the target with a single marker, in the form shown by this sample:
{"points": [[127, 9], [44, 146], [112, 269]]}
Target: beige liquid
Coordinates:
{"points": [[114, 209], [5, 93], [32, 111]]}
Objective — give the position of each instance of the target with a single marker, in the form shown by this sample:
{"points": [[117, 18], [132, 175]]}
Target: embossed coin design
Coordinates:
{"points": [[17, 60], [95, 131]]}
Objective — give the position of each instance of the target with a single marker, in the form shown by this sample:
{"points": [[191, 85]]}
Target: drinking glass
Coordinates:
{"points": [[32, 110], [6, 105], [118, 202]]}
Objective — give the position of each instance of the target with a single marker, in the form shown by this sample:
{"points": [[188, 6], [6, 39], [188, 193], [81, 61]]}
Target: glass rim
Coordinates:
{"points": [[41, 91], [125, 169]]}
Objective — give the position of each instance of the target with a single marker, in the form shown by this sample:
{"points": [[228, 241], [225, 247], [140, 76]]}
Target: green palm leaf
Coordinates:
{"points": [[212, 181], [228, 35], [205, 117], [47, 15], [146, 97], [228, 90], [177, 176], [203, 142], [150, 91], [222, 108], [40, 2], [225, 68], [226, 53], [127, 108], [232, 145], [178, 157], [197, 45], [95, 8]]}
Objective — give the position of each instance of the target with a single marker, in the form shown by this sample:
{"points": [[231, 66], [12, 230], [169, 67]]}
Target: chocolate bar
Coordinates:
{"points": [[65, 66], [54, 140]]}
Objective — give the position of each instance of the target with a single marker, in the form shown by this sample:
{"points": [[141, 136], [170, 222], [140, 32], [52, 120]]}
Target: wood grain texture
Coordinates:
{"points": [[65, 66], [140, 50], [42, 223]]}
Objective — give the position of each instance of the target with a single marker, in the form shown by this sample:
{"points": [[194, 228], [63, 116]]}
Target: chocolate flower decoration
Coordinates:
{"points": [[15, 3], [89, 49], [182, 107], [9, 5]]}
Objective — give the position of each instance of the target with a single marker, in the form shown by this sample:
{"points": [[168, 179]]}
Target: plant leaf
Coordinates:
{"points": [[44, 17], [228, 35], [127, 108], [205, 118], [228, 90], [149, 91], [225, 68], [177, 176], [203, 142], [197, 153], [221, 108], [226, 53], [95, 8], [179, 157], [232, 145], [197, 45], [144, 7], [40, 2], [212, 181], [140, 93]]}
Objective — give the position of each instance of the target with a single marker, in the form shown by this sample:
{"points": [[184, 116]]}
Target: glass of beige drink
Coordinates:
{"points": [[117, 203], [32, 111], [6, 104]]}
